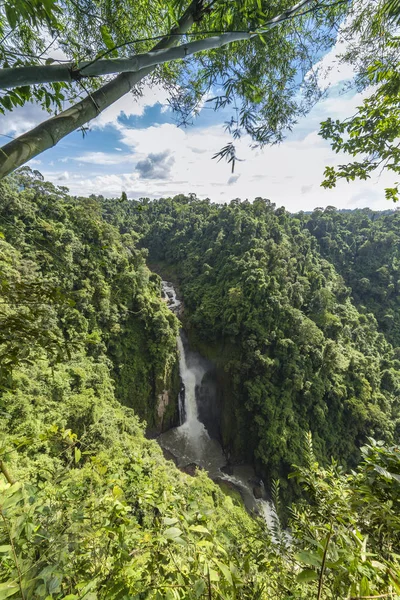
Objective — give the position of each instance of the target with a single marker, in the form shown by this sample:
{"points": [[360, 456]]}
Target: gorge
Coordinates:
{"points": [[190, 444], [284, 367]]}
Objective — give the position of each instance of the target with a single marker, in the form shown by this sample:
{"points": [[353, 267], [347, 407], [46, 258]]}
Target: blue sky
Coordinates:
{"points": [[136, 146]]}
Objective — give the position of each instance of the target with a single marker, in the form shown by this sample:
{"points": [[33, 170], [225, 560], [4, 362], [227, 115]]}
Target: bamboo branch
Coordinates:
{"points": [[13, 77], [50, 132], [6, 473], [321, 576]]}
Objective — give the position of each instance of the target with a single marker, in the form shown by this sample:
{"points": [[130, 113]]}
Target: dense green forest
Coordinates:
{"points": [[89, 506], [363, 245], [294, 349], [71, 283]]}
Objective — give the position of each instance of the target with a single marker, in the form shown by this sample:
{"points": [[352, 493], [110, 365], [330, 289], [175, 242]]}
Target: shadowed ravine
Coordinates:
{"points": [[190, 443]]}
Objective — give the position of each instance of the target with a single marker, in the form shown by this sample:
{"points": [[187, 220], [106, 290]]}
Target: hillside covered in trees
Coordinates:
{"points": [[295, 348], [89, 506]]}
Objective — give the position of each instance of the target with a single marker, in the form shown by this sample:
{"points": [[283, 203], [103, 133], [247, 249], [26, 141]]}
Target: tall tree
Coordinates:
{"points": [[371, 135], [253, 56]]}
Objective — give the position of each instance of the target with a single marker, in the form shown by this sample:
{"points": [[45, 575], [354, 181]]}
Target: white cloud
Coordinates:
{"points": [[289, 174], [130, 105], [156, 165], [102, 158], [22, 119]]}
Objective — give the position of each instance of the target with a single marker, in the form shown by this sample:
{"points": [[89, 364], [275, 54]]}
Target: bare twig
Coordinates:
{"points": [[321, 575]]}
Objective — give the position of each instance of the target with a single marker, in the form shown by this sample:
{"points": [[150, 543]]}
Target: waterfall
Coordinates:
{"points": [[190, 443]]}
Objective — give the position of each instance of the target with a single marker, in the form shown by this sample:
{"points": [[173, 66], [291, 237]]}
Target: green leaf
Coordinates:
{"points": [[213, 575], [199, 587], [77, 455], [225, 571], [199, 529], [307, 575], [8, 589], [11, 15], [107, 39], [170, 521], [172, 533], [13, 495], [364, 586], [308, 558], [5, 549]]}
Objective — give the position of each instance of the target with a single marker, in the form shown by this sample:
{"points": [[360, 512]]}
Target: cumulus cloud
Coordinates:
{"points": [[102, 158], [22, 119], [156, 166]]}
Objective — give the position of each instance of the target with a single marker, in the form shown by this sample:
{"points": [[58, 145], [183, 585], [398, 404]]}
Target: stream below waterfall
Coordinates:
{"points": [[191, 443]]}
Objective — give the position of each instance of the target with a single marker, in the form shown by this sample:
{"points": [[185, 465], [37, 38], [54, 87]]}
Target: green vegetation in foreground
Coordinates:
{"points": [[89, 508], [96, 511]]}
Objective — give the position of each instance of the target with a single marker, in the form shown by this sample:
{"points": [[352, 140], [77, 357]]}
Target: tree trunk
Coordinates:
{"points": [[50, 132]]}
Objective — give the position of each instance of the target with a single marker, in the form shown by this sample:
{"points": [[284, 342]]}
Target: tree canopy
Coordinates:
{"points": [[371, 135], [250, 56]]}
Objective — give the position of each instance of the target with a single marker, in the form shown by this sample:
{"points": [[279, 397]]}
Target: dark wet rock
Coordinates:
{"points": [[225, 483], [169, 456], [258, 492], [191, 469], [228, 469]]}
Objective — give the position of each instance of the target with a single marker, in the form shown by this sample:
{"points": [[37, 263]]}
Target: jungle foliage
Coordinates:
{"points": [[89, 508], [280, 322], [369, 137], [71, 283], [363, 245]]}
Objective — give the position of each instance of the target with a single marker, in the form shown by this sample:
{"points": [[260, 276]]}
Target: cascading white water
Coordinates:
{"points": [[191, 423], [190, 442]]}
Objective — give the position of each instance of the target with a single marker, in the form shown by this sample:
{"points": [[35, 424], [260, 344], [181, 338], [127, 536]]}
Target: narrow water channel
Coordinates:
{"points": [[190, 442]]}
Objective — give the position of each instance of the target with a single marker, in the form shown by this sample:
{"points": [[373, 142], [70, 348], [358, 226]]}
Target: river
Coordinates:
{"points": [[190, 443]]}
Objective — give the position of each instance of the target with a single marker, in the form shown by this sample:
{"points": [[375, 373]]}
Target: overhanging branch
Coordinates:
{"points": [[50, 132], [68, 72]]}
